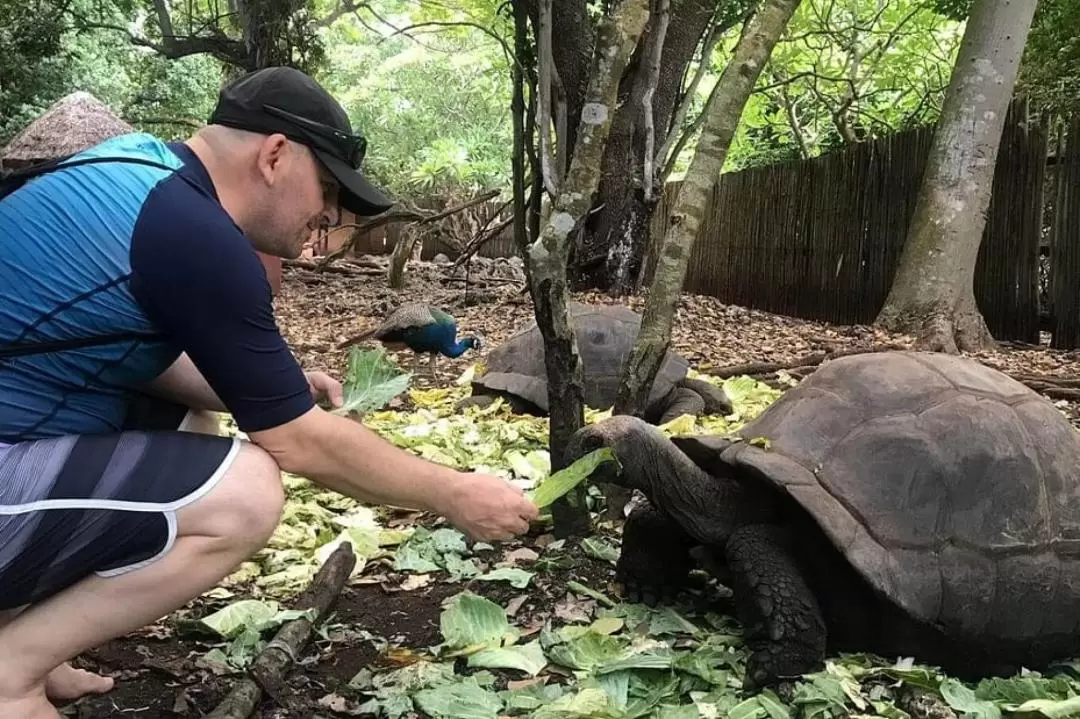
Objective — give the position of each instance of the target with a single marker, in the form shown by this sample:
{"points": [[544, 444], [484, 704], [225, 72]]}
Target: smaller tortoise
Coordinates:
{"points": [[605, 336], [905, 504]]}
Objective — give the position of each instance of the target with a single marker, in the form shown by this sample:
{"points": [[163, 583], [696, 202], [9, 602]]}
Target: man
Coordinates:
{"points": [[132, 300]]}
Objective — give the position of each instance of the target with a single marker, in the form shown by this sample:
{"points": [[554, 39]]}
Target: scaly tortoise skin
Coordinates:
{"points": [[907, 504], [605, 334]]}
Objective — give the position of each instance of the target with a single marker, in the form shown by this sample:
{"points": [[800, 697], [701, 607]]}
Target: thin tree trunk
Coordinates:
{"points": [[517, 112], [549, 253], [403, 250], [722, 120], [932, 295]]}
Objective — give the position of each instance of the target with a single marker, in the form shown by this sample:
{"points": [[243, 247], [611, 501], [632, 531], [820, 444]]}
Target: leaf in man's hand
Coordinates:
{"points": [[372, 381], [567, 478]]}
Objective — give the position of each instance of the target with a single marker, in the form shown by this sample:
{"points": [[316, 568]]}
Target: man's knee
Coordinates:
{"points": [[263, 501], [247, 503]]}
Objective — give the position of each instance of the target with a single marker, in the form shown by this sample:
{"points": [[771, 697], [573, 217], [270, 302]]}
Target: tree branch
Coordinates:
{"points": [[661, 17], [687, 99], [545, 62]]}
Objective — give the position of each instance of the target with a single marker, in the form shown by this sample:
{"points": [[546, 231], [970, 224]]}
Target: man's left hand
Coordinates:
{"points": [[323, 386]]}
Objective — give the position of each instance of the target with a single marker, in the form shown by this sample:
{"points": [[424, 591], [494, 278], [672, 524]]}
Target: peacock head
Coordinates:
{"points": [[473, 342]]}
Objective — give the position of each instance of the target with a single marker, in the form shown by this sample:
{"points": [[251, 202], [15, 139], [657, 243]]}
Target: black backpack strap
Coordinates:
{"points": [[15, 179], [22, 349]]}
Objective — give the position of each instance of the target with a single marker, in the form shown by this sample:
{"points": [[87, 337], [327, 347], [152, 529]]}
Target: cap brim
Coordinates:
{"points": [[357, 194]]}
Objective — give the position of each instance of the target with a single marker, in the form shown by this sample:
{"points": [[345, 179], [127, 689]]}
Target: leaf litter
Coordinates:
{"points": [[533, 628]]}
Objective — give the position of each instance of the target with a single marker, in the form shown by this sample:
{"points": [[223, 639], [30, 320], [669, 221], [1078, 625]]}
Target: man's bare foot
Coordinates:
{"points": [[31, 706], [66, 683]]}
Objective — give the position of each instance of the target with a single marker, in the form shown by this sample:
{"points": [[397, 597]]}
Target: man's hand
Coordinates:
{"points": [[324, 386], [487, 508]]}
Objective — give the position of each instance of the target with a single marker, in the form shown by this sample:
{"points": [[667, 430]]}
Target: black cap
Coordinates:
{"points": [[285, 100]]}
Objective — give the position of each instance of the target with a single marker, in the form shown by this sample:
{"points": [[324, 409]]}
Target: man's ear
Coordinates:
{"points": [[272, 158]]}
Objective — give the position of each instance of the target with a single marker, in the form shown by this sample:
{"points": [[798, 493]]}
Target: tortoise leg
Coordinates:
{"points": [[782, 623], [715, 399], [475, 400], [655, 560], [681, 401]]}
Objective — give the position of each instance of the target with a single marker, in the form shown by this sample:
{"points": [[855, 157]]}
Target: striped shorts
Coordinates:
{"points": [[100, 504]]}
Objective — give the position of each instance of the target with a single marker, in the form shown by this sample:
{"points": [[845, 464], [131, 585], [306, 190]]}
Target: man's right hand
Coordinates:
{"points": [[487, 508]]}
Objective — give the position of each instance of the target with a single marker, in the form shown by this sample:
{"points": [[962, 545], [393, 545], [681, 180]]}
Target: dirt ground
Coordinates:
{"points": [[157, 670]]}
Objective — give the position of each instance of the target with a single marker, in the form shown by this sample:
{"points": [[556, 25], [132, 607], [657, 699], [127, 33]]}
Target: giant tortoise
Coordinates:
{"points": [[900, 503], [515, 370]]}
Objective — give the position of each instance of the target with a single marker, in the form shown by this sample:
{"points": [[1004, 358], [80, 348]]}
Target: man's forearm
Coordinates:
{"points": [[343, 455]]}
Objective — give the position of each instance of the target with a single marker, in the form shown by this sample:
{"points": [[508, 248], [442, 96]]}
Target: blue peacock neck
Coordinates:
{"points": [[458, 348]]}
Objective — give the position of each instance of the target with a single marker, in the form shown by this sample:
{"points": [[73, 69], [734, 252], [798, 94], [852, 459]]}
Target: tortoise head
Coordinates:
{"points": [[637, 445]]}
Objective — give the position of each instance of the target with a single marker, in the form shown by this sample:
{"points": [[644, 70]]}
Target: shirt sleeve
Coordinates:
{"points": [[197, 277]]}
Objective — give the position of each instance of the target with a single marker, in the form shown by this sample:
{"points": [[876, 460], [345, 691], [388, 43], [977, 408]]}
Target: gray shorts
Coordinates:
{"points": [[100, 504]]}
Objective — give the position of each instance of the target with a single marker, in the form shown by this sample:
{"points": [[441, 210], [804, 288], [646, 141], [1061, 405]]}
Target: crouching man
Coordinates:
{"points": [[132, 302]]}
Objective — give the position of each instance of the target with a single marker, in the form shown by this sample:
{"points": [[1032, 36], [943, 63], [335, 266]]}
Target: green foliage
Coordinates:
{"points": [[1050, 70], [30, 61], [847, 72], [434, 105]]}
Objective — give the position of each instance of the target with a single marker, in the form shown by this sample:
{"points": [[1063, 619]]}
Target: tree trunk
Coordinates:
{"points": [[932, 295], [549, 253], [403, 251], [618, 232], [721, 121]]}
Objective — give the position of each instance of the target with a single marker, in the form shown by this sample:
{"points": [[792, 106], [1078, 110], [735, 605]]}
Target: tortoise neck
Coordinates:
{"points": [[707, 506]]}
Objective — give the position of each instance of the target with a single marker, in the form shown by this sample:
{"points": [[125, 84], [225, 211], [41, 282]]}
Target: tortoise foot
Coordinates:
{"points": [[777, 668], [654, 564]]}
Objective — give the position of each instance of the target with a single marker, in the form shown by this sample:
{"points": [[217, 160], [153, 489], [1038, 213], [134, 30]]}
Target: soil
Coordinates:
{"points": [[375, 625], [158, 669]]}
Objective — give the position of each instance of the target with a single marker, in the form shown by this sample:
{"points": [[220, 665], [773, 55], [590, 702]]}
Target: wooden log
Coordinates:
{"points": [[811, 360], [267, 672]]}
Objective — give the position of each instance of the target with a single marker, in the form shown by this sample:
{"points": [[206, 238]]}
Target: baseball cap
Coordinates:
{"points": [[287, 101]]}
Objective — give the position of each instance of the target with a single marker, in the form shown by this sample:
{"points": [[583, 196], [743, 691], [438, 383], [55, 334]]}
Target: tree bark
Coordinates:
{"points": [[932, 295], [722, 120], [548, 254], [404, 249], [617, 234]]}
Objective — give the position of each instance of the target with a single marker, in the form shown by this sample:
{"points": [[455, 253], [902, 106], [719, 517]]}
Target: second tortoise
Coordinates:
{"points": [[516, 372]]}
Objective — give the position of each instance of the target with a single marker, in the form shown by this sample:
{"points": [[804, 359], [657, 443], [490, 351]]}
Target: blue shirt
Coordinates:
{"points": [[117, 247]]}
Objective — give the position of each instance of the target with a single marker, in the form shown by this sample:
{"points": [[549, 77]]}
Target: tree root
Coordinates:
{"points": [[266, 673]]}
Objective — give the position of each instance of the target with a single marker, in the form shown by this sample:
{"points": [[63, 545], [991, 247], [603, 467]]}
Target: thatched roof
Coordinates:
{"points": [[72, 124]]}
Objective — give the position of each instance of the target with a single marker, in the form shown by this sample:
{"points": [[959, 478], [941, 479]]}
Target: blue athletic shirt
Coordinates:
{"points": [[121, 247]]}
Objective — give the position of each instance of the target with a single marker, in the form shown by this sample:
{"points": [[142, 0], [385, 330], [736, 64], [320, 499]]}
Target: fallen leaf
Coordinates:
{"points": [[523, 554], [415, 581], [514, 604]]}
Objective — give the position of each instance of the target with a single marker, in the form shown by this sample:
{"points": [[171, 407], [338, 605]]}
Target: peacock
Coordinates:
{"points": [[421, 328]]}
